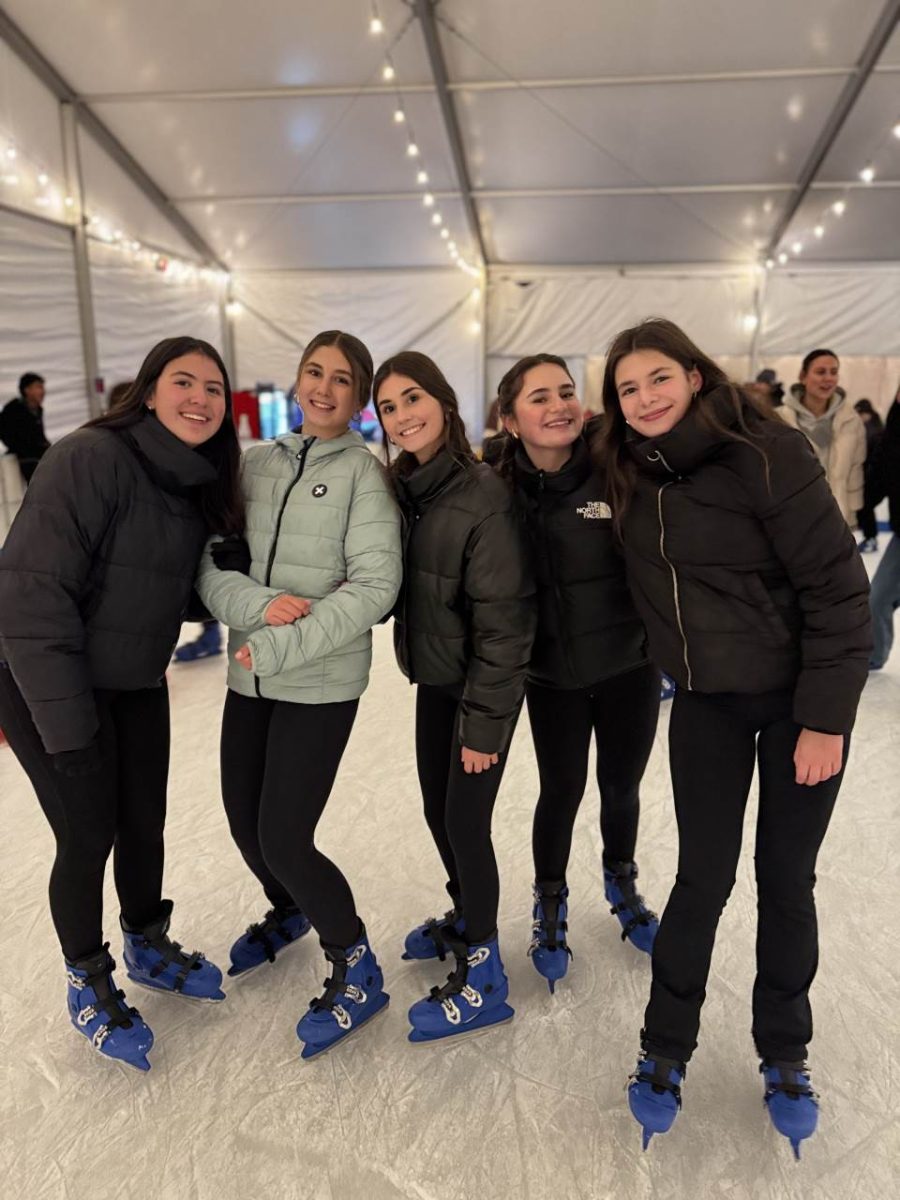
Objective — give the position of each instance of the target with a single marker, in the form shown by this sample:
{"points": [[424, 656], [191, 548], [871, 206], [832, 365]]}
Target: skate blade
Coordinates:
{"points": [[309, 1051], [234, 973], [467, 1031], [142, 1066], [164, 991], [795, 1146], [646, 1135]]}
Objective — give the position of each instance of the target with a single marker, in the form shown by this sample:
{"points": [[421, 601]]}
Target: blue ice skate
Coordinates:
{"points": [[98, 1010], [667, 688], [654, 1093], [426, 940], [639, 924], [790, 1100], [207, 645], [549, 950], [474, 996], [154, 961], [353, 995], [266, 938]]}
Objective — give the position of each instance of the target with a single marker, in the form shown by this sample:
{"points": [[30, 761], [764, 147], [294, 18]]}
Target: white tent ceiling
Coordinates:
{"points": [[592, 133]]}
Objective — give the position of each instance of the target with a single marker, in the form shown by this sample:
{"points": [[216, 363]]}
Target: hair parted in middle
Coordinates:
{"points": [[665, 337], [357, 355], [508, 390], [427, 374]]}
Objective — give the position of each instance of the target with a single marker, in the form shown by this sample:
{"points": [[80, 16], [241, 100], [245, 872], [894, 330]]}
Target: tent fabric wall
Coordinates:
{"points": [[855, 312], [39, 327], [431, 311], [136, 306]]}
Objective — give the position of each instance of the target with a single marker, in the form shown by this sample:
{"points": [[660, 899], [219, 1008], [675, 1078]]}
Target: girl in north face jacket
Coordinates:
{"points": [[95, 579], [321, 566], [589, 677], [463, 632], [755, 602]]}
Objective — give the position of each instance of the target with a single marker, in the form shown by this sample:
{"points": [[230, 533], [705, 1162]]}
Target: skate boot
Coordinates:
{"points": [[353, 995], [427, 940], [639, 924], [474, 996], [667, 688], [548, 950], [790, 1101], [654, 1093], [98, 1010], [868, 546], [263, 940], [207, 645], [155, 961]]}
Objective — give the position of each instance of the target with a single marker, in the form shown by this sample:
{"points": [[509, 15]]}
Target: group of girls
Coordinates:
{"points": [[740, 579]]}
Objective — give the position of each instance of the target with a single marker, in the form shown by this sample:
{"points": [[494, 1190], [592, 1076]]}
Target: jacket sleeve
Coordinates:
{"points": [[818, 552], [231, 597], [374, 571], [502, 606], [45, 572], [856, 473]]}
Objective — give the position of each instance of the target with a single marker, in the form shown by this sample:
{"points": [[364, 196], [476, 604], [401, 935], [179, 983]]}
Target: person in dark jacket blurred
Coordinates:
{"points": [[874, 427], [589, 672], [885, 482], [463, 630], [95, 577], [756, 602], [22, 424]]}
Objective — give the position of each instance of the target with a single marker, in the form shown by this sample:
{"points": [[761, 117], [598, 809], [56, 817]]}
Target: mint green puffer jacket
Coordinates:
{"points": [[322, 523]]}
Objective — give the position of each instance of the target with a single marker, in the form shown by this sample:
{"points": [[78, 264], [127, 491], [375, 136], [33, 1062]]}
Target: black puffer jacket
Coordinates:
{"points": [[97, 570], [885, 476], [588, 627], [747, 585], [466, 615]]}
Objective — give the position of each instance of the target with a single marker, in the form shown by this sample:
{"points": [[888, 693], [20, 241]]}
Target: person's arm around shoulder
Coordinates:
{"points": [[45, 570], [815, 547], [374, 570]]}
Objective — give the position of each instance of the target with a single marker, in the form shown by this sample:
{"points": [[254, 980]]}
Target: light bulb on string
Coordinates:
{"points": [[445, 233], [867, 174], [428, 200], [896, 130], [11, 152], [770, 263], [782, 258], [819, 231], [376, 26], [451, 246], [43, 178], [422, 177], [387, 72], [412, 150], [399, 116], [839, 207], [797, 248], [437, 219]]}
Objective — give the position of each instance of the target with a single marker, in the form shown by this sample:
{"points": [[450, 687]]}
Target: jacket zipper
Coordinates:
{"points": [[675, 593], [557, 591], [271, 561]]}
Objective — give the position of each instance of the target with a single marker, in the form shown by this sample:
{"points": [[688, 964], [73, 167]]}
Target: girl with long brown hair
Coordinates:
{"points": [[755, 602]]}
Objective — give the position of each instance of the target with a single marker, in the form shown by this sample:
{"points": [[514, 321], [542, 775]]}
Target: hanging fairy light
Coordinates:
{"points": [[867, 174]]}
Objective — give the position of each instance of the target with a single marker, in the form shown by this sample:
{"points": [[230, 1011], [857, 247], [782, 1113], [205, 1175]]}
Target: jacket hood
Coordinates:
{"points": [[794, 401]]}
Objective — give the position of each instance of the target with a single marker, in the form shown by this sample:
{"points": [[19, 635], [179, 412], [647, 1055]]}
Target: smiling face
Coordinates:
{"points": [[654, 391], [412, 418], [821, 378], [546, 414], [189, 398], [326, 392]]}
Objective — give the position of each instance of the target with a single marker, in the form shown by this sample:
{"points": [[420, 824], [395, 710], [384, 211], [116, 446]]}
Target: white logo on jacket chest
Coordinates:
{"points": [[319, 490], [595, 510]]}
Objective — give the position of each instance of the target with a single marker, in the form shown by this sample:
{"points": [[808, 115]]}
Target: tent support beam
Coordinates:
{"points": [[425, 13], [871, 52], [88, 120]]}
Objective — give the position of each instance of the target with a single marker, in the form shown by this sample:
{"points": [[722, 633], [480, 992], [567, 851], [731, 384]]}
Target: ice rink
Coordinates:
{"points": [[531, 1110]]}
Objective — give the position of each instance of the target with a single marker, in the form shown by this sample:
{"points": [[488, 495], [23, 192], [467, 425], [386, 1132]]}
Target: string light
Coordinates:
{"points": [[437, 219], [839, 207], [782, 258], [797, 248], [445, 233], [867, 174], [387, 72], [412, 150], [770, 263], [896, 130], [819, 231], [11, 152], [427, 200], [399, 116]]}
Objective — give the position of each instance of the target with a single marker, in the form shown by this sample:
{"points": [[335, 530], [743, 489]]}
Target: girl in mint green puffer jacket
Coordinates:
{"points": [[323, 532]]}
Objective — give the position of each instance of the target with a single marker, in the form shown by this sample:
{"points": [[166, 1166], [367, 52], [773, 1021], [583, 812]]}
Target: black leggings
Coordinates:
{"points": [[622, 713], [123, 806], [458, 809], [279, 762], [714, 742]]}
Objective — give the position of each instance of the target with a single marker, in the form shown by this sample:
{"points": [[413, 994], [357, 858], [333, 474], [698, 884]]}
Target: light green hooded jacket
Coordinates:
{"points": [[322, 523]]}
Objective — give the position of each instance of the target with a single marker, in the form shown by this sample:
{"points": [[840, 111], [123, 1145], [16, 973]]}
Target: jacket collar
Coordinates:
{"points": [[567, 479], [425, 483], [293, 444], [687, 444], [169, 462]]}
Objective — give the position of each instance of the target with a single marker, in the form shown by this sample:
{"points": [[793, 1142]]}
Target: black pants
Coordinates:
{"points": [[713, 744], [279, 762], [868, 522], [123, 806], [458, 810], [622, 714]]}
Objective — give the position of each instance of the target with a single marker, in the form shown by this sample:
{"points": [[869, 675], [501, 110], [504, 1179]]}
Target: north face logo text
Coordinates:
{"points": [[595, 510]]}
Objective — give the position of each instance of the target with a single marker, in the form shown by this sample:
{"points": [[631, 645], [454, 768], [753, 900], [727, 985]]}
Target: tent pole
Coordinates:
{"points": [[75, 187]]}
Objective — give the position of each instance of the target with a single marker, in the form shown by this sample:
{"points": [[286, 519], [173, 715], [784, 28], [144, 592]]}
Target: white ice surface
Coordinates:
{"points": [[530, 1110]]}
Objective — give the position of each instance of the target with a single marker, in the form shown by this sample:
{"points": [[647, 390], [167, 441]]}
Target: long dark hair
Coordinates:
{"points": [[667, 338], [221, 501], [428, 375], [508, 390], [356, 353]]}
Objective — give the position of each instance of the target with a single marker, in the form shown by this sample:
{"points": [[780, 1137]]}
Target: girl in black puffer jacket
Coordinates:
{"points": [[464, 625], [755, 601], [95, 578], [589, 672]]}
